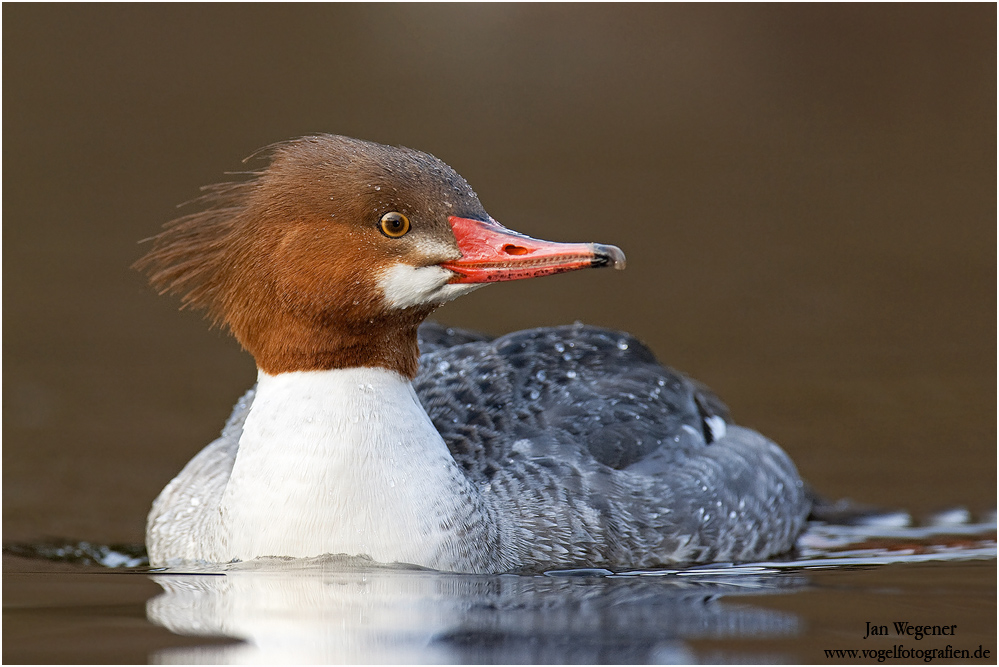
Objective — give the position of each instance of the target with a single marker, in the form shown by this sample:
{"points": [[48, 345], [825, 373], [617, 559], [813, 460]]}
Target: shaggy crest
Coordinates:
{"points": [[189, 255]]}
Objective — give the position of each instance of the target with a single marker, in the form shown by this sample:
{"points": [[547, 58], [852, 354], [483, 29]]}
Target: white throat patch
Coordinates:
{"points": [[405, 286]]}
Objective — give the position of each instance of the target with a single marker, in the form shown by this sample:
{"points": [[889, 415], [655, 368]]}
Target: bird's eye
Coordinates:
{"points": [[394, 225]]}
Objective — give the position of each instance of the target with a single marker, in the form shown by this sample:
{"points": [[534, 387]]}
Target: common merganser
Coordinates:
{"points": [[550, 448]]}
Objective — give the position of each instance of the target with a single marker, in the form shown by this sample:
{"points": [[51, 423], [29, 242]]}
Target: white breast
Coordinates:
{"points": [[343, 461]]}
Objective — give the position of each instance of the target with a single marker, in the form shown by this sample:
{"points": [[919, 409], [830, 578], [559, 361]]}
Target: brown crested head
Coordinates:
{"points": [[294, 259]]}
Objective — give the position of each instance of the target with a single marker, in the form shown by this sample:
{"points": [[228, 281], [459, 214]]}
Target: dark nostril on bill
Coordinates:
{"points": [[511, 249]]}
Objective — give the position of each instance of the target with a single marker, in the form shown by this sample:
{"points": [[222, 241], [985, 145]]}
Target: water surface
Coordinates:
{"points": [[349, 610]]}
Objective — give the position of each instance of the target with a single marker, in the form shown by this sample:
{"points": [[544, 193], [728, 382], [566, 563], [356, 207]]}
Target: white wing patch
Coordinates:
{"points": [[717, 427]]}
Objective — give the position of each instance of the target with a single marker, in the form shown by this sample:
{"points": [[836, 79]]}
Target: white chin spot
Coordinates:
{"points": [[405, 286]]}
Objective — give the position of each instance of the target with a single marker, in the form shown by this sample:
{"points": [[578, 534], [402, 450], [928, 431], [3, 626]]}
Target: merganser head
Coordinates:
{"points": [[332, 255]]}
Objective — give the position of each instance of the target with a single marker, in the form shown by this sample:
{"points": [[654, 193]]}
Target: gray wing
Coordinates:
{"points": [[588, 443], [577, 387]]}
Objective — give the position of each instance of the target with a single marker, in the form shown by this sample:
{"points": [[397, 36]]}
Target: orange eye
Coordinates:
{"points": [[394, 225]]}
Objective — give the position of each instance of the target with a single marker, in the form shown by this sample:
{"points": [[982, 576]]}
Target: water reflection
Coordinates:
{"points": [[335, 611]]}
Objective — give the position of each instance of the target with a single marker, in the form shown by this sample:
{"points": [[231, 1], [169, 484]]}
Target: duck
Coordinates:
{"points": [[374, 433]]}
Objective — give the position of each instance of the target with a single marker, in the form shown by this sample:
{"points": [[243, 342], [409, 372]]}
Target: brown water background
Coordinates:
{"points": [[806, 195]]}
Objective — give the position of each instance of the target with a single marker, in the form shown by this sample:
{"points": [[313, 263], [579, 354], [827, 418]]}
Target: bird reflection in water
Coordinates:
{"points": [[339, 610]]}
